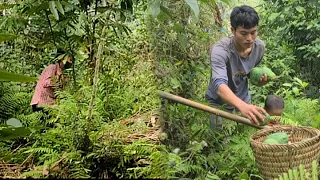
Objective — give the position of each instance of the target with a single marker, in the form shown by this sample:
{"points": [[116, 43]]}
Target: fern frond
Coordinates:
{"points": [[13, 103], [40, 150], [32, 173], [30, 119], [52, 160], [289, 121]]}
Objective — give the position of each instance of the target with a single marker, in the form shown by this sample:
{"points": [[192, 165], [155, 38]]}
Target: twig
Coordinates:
{"points": [[54, 41], [26, 160], [93, 32], [15, 149], [96, 76]]}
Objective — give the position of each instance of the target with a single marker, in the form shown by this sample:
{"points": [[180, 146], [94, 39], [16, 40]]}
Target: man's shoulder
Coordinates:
{"points": [[223, 45], [259, 42], [224, 42], [50, 68]]}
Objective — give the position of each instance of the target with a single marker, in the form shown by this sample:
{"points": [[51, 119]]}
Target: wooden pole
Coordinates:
{"points": [[209, 109]]}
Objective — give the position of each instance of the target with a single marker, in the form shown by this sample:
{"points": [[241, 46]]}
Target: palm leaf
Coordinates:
{"points": [[8, 76]]}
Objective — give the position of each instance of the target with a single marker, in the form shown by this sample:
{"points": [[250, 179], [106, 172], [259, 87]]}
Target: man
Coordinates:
{"points": [[232, 59], [50, 78]]}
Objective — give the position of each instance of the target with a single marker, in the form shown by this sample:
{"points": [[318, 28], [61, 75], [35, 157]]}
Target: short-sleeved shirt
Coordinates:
{"points": [[229, 66]]}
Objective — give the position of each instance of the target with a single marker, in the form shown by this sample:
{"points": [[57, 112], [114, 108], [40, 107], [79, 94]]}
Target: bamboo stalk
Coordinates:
{"points": [[209, 109]]}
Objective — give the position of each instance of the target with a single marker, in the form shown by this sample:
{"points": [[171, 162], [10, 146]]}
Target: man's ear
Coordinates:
{"points": [[233, 30]]}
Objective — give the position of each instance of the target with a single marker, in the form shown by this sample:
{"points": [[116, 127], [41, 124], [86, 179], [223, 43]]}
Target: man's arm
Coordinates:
{"points": [[47, 76], [248, 110]]}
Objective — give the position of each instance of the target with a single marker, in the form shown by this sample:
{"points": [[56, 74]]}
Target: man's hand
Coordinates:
{"points": [[263, 80], [252, 112], [59, 73]]}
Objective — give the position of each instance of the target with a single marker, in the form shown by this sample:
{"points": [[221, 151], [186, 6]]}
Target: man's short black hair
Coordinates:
{"points": [[274, 102], [244, 16], [59, 52]]}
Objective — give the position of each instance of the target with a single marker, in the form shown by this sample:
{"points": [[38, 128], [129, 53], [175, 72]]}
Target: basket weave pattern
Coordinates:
{"points": [[274, 159]]}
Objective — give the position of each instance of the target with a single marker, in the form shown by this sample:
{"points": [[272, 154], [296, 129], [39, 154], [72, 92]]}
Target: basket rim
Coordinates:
{"points": [[274, 128]]}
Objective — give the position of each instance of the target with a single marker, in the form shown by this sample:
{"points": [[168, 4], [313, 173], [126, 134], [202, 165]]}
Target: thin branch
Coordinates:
{"points": [[73, 59], [93, 31], [54, 41], [96, 76]]}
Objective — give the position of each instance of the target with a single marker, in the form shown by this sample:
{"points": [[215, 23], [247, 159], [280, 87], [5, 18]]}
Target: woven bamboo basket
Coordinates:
{"points": [[275, 159]]}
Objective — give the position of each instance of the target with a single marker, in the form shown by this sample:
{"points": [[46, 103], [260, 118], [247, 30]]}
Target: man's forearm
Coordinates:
{"points": [[225, 93]]}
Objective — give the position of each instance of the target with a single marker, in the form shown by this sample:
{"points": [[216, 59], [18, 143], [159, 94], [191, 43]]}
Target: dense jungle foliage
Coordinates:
{"points": [[110, 121]]}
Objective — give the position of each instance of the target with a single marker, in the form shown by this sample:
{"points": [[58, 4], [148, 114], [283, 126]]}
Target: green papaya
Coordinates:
{"points": [[281, 137], [257, 72], [266, 121], [271, 141]]}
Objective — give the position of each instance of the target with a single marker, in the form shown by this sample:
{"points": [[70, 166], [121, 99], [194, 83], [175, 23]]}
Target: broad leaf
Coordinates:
{"points": [[177, 28], [194, 6], [53, 9], [287, 84], [183, 40], [35, 9], [7, 37], [296, 91], [175, 83], [300, 9], [14, 122], [7, 133], [155, 7], [59, 7], [166, 11], [8, 76]]}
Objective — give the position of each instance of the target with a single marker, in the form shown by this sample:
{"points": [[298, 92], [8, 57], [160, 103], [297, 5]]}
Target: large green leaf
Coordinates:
{"points": [[53, 9], [183, 40], [7, 133], [35, 9], [59, 7], [8, 76], [14, 122], [7, 37], [155, 7], [166, 11], [194, 6]]}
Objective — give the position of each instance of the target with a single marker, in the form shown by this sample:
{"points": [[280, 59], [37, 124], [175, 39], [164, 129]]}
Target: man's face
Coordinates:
{"points": [[245, 37]]}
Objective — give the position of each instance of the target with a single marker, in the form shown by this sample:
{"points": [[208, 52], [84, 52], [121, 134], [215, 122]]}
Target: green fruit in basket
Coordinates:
{"points": [[281, 137], [271, 141], [266, 120]]}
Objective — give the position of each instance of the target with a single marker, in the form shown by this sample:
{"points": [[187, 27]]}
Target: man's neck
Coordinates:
{"points": [[244, 52]]}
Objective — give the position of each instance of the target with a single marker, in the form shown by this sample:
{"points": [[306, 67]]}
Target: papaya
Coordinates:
{"points": [[281, 137], [257, 72], [271, 141], [266, 121]]}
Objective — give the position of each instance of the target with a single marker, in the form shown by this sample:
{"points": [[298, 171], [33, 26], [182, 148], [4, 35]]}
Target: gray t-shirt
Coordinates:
{"points": [[228, 65]]}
